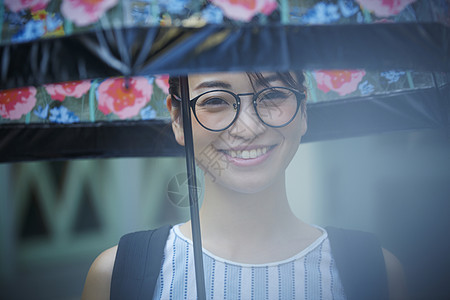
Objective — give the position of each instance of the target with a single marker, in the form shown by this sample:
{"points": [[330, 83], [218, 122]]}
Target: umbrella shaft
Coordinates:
{"points": [[193, 196]]}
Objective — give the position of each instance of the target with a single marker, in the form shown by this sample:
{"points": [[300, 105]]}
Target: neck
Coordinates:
{"points": [[237, 217]]}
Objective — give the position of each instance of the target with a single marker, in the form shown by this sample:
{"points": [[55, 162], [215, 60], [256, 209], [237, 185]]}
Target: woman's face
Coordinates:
{"points": [[248, 156]]}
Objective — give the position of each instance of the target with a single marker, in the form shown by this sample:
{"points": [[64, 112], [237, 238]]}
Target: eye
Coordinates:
{"points": [[215, 100], [212, 101], [274, 95]]}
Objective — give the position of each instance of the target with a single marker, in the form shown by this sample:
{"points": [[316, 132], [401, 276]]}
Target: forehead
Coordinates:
{"points": [[235, 81]]}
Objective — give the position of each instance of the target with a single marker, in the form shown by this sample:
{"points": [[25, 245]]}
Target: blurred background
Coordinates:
{"points": [[56, 217]]}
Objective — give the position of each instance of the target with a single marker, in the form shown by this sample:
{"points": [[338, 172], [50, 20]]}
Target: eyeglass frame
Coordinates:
{"points": [[300, 96]]}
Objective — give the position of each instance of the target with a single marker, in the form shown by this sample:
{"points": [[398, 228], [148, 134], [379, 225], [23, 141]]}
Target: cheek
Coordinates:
{"points": [[202, 138], [293, 134], [296, 129]]}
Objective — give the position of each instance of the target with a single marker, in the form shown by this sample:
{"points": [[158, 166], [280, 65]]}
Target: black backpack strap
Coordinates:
{"points": [[360, 263], [138, 264]]}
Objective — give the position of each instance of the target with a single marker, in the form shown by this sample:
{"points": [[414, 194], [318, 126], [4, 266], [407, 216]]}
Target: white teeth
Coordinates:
{"points": [[248, 154]]}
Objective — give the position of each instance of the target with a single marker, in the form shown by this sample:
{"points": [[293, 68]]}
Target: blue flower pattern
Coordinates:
{"points": [[148, 113], [348, 8], [41, 113], [366, 88], [15, 19], [322, 13], [53, 22], [212, 14], [392, 75], [144, 14], [174, 6], [31, 31], [62, 115]]}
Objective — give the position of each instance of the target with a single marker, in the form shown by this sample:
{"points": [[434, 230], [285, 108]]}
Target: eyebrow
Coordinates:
{"points": [[269, 78], [213, 84]]}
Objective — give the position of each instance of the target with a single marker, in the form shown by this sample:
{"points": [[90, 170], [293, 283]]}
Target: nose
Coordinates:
{"points": [[247, 125]]}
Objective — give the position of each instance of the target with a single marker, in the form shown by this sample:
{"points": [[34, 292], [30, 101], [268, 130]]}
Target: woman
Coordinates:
{"points": [[246, 130]]}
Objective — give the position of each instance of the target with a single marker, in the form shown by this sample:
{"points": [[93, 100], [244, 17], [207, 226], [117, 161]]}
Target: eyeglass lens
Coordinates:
{"points": [[216, 110], [276, 106]]}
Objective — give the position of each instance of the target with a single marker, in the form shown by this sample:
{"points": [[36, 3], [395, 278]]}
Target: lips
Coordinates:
{"points": [[248, 157], [247, 154]]}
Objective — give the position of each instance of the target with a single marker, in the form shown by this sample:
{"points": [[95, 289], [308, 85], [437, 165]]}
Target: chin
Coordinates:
{"points": [[245, 184]]}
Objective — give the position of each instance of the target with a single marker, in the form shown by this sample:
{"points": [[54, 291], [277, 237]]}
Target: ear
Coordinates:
{"points": [[177, 124], [304, 116]]}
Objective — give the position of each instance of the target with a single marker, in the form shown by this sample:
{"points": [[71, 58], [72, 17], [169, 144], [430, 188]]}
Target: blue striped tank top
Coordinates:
{"points": [[311, 274]]}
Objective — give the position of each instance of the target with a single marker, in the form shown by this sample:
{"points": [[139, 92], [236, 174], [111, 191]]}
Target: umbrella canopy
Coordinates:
{"points": [[372, 67]]}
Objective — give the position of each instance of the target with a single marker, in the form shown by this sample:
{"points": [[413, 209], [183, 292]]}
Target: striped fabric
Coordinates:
{"points": [[311, 274]]}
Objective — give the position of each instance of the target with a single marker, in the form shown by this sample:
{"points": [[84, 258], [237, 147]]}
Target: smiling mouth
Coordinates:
{"points": [[248, 154]]}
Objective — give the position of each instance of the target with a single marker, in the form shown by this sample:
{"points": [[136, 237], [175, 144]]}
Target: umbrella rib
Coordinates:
{"points": [[193, 195], [123, 49], [102, 51], [34, 59], [45, 60], [5, 63], [145, 49]]}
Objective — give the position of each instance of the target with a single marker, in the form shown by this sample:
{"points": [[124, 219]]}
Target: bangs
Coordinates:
{"points": [[285, 77]]}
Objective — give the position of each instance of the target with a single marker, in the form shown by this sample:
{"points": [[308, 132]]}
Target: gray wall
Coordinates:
{"points": [[396, 185]]}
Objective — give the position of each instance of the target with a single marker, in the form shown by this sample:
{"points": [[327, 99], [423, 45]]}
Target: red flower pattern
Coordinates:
{"points": [[113, 96], [75, 89], [162, 81], [17, 102], [245, 10], [85, 12], [342, 82], [385, 8]]}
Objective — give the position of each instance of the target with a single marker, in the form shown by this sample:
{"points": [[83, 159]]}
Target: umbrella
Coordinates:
{"points": [[412, 39], [342, 44]]}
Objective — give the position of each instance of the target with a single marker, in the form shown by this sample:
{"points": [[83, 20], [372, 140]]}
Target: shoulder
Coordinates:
{"points": [[98, 280], [395, 276]]}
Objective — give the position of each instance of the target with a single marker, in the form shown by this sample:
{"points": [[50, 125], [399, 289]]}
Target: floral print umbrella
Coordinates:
{"points": [[92, 74], [58, 58]]}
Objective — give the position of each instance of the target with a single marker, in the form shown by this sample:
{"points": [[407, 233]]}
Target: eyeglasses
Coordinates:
{"points": [[217, 110]]}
